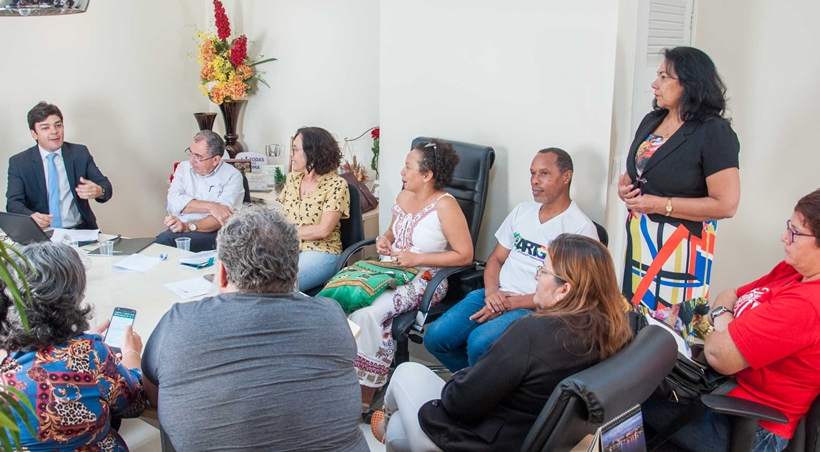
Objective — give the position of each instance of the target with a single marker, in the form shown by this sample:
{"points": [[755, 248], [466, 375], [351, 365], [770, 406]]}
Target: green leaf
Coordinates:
{"points": [[267, 60], [18, 408], [4, 440], [7, 419]]}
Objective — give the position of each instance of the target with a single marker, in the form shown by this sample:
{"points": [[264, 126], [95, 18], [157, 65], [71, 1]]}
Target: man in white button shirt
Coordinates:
{"points": [[53, 180], [203, 194]]}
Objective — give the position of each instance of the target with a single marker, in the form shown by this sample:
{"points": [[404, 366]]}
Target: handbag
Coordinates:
{"points": [[358, 285], [690, 378], [368, 201]]}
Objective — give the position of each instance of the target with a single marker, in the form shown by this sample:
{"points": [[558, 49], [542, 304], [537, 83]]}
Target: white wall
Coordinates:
{"points": [[518, 76], [766, 55], [622, 128], [121, 76], [327, 73]]}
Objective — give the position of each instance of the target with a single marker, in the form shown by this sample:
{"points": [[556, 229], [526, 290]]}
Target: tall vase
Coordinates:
{"points": [[230, 113], [205, 120]]}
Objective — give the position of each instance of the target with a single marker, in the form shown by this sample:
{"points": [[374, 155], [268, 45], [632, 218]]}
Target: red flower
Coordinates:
{"points": [[374, 133], [239, 50], [223, 26]]}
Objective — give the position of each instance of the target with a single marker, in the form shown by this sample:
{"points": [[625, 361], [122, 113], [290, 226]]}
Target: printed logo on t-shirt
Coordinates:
{"points": [[528, 248], [750, 300]]}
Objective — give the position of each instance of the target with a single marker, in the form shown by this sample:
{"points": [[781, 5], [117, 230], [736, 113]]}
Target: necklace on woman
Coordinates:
{"points": [[668, 127], [306, 187]]}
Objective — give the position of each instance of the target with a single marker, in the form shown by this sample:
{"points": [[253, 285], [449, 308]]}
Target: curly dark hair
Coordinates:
{"points": [[704, 94], [40, 112], [56, 277], [809, 207], [322, 151], [438, 157]]}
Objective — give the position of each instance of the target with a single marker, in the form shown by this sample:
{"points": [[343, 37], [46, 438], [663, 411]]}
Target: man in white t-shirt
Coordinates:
{"points": [[462, 335]]}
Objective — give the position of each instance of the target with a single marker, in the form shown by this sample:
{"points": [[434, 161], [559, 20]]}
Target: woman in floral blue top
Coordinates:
{"points": [[77, 385]]}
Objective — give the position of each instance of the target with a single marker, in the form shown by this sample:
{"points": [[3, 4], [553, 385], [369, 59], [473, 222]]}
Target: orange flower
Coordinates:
{"points": [[244, 71], [218, 93]]}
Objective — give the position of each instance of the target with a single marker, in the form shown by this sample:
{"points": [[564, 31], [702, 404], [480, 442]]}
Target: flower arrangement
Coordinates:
{"points": [[226, 71], [357, 168], [374, 163]]}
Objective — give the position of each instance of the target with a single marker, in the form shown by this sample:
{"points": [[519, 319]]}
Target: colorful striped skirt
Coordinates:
{"points": [[668, 270]]}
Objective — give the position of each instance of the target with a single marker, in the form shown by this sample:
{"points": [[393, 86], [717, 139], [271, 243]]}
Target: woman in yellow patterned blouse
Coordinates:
{"points": [[314, 199]]}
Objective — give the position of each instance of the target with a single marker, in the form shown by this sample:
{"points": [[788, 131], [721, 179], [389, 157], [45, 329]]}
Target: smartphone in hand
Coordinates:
{"points": [[121, 318]]}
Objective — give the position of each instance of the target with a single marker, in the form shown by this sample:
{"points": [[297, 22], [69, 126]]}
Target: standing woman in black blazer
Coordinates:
{"points": [[682, 176], [579, 321]]}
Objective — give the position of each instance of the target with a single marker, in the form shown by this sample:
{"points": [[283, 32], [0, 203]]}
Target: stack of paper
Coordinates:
{"points": [[136, 263], [75, 235], [190, 288], [199, 260]]}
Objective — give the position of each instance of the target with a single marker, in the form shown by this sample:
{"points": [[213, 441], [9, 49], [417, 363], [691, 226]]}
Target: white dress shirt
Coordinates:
{"points": [[222, 186], [69, 212]]}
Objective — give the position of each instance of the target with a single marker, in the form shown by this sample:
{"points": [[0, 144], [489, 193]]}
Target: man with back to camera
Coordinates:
{"points": [[53, 180], [260, 366], [204, 193], [465, 332]]}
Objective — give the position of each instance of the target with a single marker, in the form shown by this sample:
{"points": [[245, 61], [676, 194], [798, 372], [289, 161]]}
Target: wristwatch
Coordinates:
{"points": [[668, 206], [192, 227], [720, 310]]}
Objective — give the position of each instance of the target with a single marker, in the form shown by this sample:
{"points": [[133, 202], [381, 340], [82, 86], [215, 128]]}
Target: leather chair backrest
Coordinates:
{"points": [[352, 229], [603, 236], [583, 402], [246, 199], [471, 180], [807, 434]]}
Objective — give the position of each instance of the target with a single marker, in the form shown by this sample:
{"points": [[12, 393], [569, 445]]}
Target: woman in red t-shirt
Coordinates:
{"points": [[767, 334]]}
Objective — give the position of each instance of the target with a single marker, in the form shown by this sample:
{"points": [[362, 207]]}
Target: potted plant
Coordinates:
{"points": [[279, 179], [11, 400]]}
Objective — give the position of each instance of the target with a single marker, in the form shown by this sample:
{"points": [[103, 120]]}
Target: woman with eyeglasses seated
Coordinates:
{"points": [[428, 231], [77, 385], [767, 335], [682, 177], [315, 199], [579, 321]]}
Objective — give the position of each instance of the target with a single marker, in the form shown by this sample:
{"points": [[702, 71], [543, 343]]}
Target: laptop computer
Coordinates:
{"points": [[22, 228]]}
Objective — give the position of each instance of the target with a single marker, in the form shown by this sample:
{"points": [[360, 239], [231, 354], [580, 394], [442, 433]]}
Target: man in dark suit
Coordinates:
{"points": [[53, 180]]}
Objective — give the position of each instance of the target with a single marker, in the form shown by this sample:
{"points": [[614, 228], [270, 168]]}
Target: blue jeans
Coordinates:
{"points": [[315, 268], [459, 342], [708, 433]]}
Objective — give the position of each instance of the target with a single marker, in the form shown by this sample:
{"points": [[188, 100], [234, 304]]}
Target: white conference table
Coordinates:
{"points": [[144, 292]]}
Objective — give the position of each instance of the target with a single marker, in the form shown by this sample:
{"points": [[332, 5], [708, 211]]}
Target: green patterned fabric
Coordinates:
{"points": [[358, 285]]}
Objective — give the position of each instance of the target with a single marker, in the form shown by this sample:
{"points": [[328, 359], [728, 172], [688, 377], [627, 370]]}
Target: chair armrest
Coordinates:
{"points": [[734, 406], [430, 290], [342, 261]]}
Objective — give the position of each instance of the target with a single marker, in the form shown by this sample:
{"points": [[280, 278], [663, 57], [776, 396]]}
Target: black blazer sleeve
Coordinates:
{"points": [[16, 190], [473, 392]]}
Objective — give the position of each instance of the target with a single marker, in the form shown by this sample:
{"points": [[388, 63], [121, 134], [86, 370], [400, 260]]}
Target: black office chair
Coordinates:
{"points": [[744, 417], [585, 401], [603, 236], [246, 199], [351, 229], [470, 188]]}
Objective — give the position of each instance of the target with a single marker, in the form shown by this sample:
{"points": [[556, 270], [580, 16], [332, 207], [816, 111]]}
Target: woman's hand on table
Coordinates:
{"points": [[625, 188], [383, 246], [646, 204]]}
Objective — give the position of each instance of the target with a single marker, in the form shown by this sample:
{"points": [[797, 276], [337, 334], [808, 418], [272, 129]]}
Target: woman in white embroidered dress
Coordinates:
{"points": [[428, 231]]}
